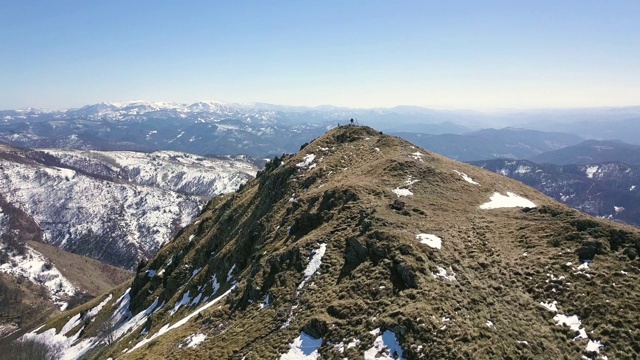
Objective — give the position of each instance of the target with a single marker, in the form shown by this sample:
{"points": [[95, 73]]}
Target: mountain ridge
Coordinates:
{"points": [[592, 152], [363, 245]]}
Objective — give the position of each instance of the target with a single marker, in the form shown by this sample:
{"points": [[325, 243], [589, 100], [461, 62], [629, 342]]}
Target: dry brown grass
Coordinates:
{"points": [[375, 274]]}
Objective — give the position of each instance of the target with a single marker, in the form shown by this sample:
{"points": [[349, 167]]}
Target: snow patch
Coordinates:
{"points": [[511, 200], [385, 346], [417, 155], [584, 266], [466, 177], [551, 306], [306, 161], [302, 348], [590, 170], [489, 323], [573, 322], [165, 329], [402, 192], [314, 264], [230, 274], [444, 274], [195, 340], [594, 346], [430, 240], [33, 266], [266, 302]]}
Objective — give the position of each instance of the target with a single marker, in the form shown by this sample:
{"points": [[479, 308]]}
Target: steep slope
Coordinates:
{"points": [[365, 246], [117, 207], [608, 190], [592, 152], [37, 280]]}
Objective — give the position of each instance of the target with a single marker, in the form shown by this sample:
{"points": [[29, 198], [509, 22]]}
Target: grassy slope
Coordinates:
{"points": [[31, 305], [90, 275], [375, 274]]}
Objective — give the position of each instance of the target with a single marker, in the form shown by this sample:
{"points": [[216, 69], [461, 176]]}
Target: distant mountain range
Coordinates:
{"points": [[510, 143], [592, 152], [607, 190], [258, 130]]}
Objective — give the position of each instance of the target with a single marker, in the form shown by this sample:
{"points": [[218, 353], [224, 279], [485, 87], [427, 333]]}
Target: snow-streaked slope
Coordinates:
{"points": [[33, 266], [116, 207], [169, 170]]}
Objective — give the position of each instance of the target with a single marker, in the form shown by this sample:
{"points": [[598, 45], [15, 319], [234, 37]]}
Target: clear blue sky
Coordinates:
{"points": [[443, 54]]}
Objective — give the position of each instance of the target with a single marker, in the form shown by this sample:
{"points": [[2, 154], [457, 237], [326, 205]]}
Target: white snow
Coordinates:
{"points": [[165, 329], [402, 192], [594, 346], [466, 178], [32, 266], [584, 266], [94, 311], [551, 306], [444, 274], [304, 347], [353, 343], [266, 302], [68, 351], [417, 155], [184, 301], [306, 161], [146, 204], [489, 323], [71, 349], [230, 273], [632, 187], [195, 340], [410, 181], [75, 320], [385, 347], [590, 170], [573, 322], [430, 240], [314, 264], [510, 200]]}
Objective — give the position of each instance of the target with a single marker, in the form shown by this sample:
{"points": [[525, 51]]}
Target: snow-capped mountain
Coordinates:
{"points": [[117, 207], [205, 128]]}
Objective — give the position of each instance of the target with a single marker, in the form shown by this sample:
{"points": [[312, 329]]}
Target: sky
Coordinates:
{"points": [[441, 54]]}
